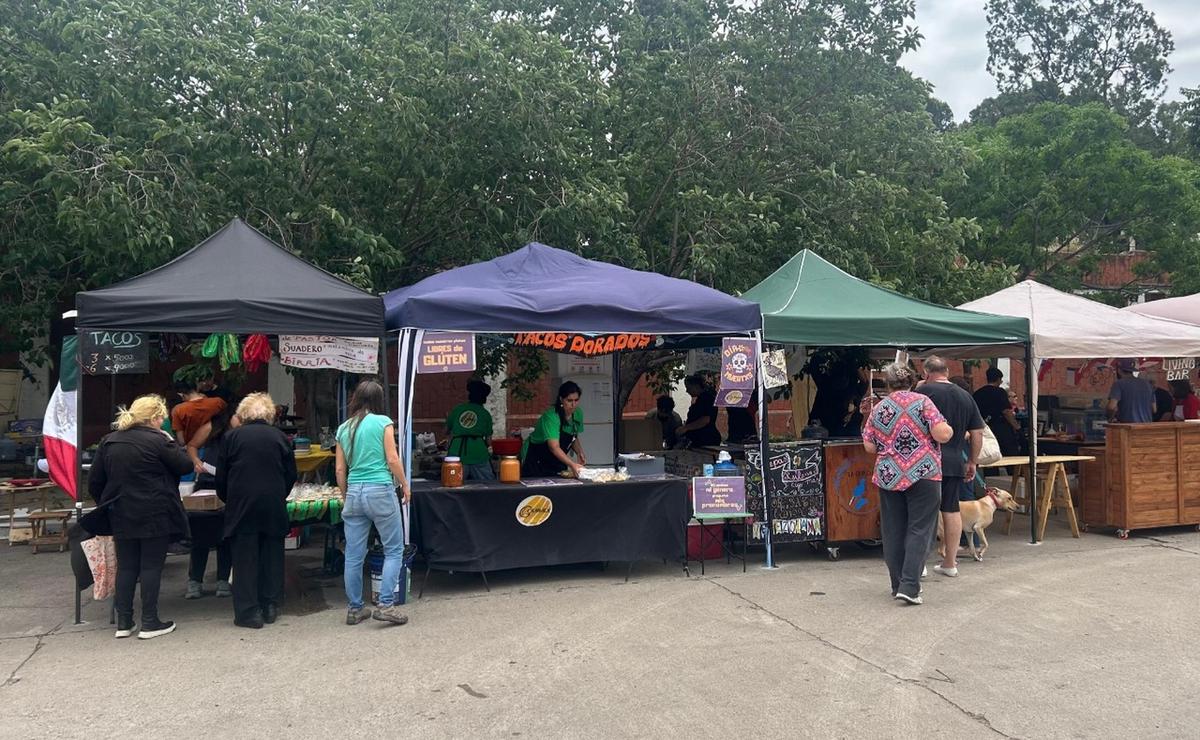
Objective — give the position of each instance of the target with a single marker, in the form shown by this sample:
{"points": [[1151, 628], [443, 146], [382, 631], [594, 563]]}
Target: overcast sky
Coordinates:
{"points": [[953, 55]]}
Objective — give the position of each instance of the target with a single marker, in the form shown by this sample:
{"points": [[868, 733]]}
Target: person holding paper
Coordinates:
{"points": [[210, 524], [256, 470]]}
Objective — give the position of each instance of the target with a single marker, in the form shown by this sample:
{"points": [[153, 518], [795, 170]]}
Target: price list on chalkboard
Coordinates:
{"points": [[795, 475], [114, 352]]}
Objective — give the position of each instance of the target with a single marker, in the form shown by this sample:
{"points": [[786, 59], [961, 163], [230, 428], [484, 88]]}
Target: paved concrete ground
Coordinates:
{"points": [[1079, 638]]}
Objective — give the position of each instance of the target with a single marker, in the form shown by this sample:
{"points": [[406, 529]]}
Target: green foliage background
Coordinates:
{"points": [[385, 140]]}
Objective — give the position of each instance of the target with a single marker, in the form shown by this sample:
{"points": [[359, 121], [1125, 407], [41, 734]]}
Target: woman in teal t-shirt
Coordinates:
{"points": [[555, 436], [368, 472]]}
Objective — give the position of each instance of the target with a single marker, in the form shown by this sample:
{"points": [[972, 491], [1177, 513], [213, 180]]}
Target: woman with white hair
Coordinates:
{"points": [[256, 470], [135, 482], [905, 432]]}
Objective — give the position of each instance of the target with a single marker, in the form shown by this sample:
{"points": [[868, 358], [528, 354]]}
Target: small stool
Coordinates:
{"points": [[42, 537]]}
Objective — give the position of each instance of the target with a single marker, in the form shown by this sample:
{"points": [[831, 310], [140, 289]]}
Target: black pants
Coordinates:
{"points": [[909, 520], [140, 560], [199, 561], [257, 572]]}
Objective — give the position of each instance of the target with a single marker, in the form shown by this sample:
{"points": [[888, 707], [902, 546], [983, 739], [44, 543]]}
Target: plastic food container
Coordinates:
{"points": [[505, 446], [644, 464], [452, 473]]}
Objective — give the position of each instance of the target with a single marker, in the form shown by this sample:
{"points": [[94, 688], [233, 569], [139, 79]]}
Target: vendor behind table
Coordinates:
{"points": [[470, 428], [556, 436], [700, 429]]}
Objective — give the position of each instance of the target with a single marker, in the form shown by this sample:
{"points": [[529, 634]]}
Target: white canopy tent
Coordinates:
{"points": [[1066, 326], [1184, 308]]}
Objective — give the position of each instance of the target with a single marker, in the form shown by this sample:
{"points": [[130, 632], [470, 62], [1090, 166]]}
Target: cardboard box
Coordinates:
{"points": [[203, 501], [294, 539]]}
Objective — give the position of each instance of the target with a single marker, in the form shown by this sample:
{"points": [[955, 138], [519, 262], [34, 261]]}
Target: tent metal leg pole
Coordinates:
{"points": [[616, 407], [1031, 440], [384, 372], [78, 453], [764, 440]]}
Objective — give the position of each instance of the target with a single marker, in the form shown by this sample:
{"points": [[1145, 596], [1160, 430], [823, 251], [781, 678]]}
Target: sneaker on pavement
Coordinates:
{"points": [[910, 599], [925, 572], [224, 589], [948, 572], [156, 629], [359, 615], [125, 627], [390, 613], [193, 591]]}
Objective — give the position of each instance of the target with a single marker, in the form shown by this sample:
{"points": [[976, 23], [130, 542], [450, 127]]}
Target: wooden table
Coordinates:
{"points": [[29, 495], [1055, 488]]}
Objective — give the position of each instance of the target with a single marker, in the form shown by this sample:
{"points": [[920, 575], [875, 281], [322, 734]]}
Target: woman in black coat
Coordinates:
{"points": [[135, 482], [256, 470]]}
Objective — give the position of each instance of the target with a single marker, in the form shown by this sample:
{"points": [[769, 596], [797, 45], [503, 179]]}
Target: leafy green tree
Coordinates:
{"points": [[1107, 50], [1054, 189]]}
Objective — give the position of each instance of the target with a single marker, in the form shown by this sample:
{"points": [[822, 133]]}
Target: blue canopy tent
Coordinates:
{"points": [[540, 288]]}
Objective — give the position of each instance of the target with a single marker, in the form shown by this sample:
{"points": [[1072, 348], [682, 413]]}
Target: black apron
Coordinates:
{"points": [[540, 462]]}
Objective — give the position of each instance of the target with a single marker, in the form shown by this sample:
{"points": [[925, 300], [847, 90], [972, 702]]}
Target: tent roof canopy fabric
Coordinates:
{"points": [[1184, 308], [810, 301], [236, 281], [1068, 326], [540, 288]]}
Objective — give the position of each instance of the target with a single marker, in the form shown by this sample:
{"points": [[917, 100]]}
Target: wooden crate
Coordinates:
{"points": [[1153, 474]]}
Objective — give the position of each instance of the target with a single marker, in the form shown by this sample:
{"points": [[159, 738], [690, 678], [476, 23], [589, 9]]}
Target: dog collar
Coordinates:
{"points": [[995, 499]]}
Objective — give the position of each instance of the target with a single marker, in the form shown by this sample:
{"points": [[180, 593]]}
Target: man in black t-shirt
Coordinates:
{"points": [[997, 412], [959, 455]]}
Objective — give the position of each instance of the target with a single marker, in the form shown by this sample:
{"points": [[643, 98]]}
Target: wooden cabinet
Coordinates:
{"points": [[1093, 487], [851, 499], [1152, 474]]}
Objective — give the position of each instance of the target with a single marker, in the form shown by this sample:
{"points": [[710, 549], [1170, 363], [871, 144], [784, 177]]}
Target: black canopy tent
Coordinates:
{"points": [[236, 281]]}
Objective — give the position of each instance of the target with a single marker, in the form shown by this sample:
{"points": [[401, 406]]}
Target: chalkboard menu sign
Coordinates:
{"points": [[796, 482], [115, 352]]}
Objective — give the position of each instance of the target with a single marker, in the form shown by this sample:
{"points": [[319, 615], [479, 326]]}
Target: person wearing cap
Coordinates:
{"points": [[470, 427], [1131, 399], [997, 410]]}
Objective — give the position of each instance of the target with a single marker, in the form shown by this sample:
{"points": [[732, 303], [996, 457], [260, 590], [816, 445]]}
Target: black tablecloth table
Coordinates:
{"points": [[477, 528]]}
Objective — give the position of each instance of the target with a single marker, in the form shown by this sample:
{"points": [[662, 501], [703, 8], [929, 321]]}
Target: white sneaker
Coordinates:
{"points": [[948, 572], [925, 572], [910, 599]]}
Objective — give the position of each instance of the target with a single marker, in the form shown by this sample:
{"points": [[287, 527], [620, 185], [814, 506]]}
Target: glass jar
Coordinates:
{"points": [[510, 469], [452, 472]]}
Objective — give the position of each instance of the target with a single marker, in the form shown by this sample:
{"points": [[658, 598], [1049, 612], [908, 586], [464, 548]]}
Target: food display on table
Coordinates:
{"points": [[313, 500], [602, 475]]}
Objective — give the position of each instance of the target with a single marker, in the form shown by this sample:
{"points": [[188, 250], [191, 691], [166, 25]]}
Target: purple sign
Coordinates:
{"points": [[446, 352], [719, 497], [735, 397], [739, 360]]}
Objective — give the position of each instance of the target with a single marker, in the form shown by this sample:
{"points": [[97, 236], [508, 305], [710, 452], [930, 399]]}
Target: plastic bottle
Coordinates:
{"points": [[725, 466]]}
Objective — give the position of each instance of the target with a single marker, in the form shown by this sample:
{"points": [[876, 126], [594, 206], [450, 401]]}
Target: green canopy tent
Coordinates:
{"points": [[810, 302]]}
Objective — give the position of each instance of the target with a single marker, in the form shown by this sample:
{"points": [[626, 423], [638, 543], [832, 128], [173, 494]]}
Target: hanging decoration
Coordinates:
{"points": [[256, 353], [224, 347]]}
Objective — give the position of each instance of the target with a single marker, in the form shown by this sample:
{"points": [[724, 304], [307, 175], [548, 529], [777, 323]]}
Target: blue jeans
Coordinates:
{"points": [[367, 504]]}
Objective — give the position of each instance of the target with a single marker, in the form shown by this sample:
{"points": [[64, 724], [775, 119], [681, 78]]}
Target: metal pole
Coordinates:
{"points": [[78, 450], [616, 406], [1031, 440], [764, 437], [384, 372]]}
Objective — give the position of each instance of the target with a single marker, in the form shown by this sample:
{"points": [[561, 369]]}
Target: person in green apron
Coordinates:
{"points": [[470, 427], [548, 450]]}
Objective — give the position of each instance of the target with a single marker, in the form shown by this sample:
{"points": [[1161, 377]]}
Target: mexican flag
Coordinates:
{"points": [[60, 428]]}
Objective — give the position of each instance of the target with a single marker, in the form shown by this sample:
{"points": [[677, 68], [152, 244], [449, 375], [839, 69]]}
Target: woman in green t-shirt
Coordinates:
{"points": [[556, 436], [470, 427]]}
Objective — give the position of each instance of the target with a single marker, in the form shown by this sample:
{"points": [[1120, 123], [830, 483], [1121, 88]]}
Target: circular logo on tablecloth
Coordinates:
{"points": [[534, 510], [468, 419]]}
